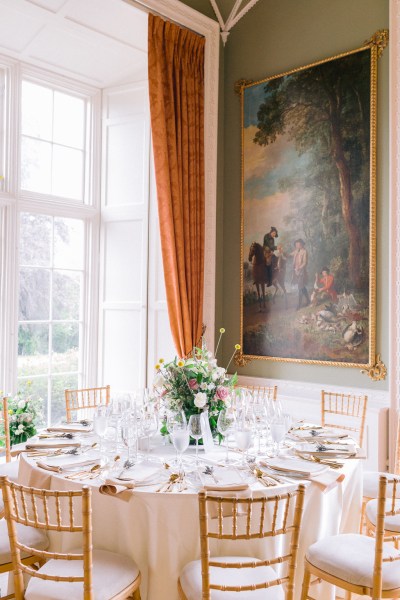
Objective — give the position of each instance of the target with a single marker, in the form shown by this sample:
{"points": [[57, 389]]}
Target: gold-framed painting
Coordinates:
{"points": [[308, 212]]}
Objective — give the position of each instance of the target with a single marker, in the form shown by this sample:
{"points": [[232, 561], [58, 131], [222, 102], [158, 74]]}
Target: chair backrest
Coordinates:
{"points": [[52, 511], [267, 390], [85, 399], [238, 518], [5, 430], [346, 412], [384, 482]]}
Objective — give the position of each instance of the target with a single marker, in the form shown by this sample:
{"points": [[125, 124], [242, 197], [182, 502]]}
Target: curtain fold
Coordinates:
{"points": [[176, 90]]}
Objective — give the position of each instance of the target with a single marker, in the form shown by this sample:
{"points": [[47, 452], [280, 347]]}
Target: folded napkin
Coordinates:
{"points": [[327, 480], [295, 467], [71, 428], [49, 443], [240, 487], [118, 488], [58, 468]]}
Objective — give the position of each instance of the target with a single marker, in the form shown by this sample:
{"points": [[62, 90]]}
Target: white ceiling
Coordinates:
{"points": [[100, 42]]}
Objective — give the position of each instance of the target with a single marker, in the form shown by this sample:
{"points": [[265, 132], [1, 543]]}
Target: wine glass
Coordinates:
{"points": [[100, 422], [278, 432], [129, 438], [244, 432], [149, 423], [195, 432], [180, 440], [225, 425], [173, 417], [260, 419]]}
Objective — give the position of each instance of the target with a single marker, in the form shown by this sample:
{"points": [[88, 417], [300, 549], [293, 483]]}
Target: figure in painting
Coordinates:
{"points": [[269, 248], [300, 260], [328, 287]]}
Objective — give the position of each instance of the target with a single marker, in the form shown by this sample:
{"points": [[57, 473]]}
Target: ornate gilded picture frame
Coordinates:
{"points": [[308, 212]]}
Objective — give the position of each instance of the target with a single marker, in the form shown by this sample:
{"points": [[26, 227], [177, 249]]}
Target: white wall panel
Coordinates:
{"points": [[123, 349], [124, 278]]}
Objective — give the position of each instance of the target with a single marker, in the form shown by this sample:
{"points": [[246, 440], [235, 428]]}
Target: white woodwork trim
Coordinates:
{"points": [[187, 17], [394, 178]]}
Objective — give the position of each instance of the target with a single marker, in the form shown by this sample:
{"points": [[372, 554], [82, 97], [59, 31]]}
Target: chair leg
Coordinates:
{"points": [[306, 584], [136, 595], [362, 518], [347, 595]]}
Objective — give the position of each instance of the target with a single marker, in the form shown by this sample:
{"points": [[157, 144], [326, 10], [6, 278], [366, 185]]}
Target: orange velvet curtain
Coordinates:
{"points": [[176, 88]]}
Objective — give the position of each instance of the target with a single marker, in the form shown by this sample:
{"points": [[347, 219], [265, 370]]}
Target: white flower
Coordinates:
{"points": [[27, 418], [200, 399], [21, 404], [211, 386], [159, 380], [204, 385], [212, 364], [20, 429]]}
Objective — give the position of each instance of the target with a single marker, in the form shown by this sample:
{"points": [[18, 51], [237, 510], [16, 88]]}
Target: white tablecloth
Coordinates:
{"points": [[161, 533]]}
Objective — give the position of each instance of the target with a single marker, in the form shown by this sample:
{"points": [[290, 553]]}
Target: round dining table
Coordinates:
{"points": [[160, 530]]}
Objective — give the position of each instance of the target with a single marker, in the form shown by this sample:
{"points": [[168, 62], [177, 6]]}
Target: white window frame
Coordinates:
{"points": [[14, 201]]}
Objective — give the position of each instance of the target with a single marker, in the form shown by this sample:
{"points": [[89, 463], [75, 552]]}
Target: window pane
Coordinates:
{"points": [[33, 349], [37, 110], [34, 294], [38, 388], [65, 347], [58, 385], [66, 295], [35, 239], [35, 166], [68, 243], [67, 172], [69, 120]]}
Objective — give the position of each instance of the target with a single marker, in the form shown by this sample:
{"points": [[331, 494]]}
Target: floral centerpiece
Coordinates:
{"points": [[195, 384], [25, 412]]}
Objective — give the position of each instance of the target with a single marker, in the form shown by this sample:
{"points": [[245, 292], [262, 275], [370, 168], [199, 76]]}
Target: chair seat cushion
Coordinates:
{"points": [[10, 469], [26, 535], [350, 557], [392, 522], [112, 573], [371, 484], [190, 580]]}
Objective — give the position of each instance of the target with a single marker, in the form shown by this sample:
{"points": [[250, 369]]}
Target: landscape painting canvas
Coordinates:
{"points": [[308, 213]]}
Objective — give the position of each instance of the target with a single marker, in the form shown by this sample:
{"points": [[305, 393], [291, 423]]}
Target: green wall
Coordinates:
{"points": [[272, 38]]}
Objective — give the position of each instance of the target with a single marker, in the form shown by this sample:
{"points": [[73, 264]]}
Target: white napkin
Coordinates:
{"points": [[71, 428], [58, 468], [298, 467], [327, 480], [51, 443]]}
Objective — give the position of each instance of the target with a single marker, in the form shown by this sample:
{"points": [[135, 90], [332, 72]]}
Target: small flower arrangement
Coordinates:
{"points": [[195, 384], [25, 412]]}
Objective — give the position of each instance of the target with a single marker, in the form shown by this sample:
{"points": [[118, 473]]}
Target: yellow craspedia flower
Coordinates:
{"points": [[222, 330], [237, 346], [161, 360], [181, 363], [10, 411], [157, 367]]}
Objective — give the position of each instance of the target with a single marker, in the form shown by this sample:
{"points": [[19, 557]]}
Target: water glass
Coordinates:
{"points": [[225, 426], [278, 432], [180, 440], [195, 432]]}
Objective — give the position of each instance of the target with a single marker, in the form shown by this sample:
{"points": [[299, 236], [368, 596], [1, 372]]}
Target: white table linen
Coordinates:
{"points": [[160, 531]]}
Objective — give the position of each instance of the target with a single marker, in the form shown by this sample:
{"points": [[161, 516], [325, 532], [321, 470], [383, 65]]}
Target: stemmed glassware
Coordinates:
{"points": [[195, 432], [129, 438], [278, 427], [244, 432], [148, 422], [100, 422], [179, 431], [225, 426]]}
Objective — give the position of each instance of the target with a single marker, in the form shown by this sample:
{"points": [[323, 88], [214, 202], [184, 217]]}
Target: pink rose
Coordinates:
{"points": [[193, 384], [222, 392]]}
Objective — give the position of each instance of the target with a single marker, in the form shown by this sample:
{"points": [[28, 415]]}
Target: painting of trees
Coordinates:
{"points": [[307, 174]]}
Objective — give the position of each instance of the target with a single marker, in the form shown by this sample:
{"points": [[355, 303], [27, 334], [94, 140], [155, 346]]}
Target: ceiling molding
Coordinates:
{"points": [[234, 17]]}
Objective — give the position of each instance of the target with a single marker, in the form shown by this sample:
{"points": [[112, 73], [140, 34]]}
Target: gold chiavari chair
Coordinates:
{"points": [[238, 519], [357, 563], [85, 399], [85, 572], [337, 410], [10, 469], [268, 390], [392, 511], [371, 479]]}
